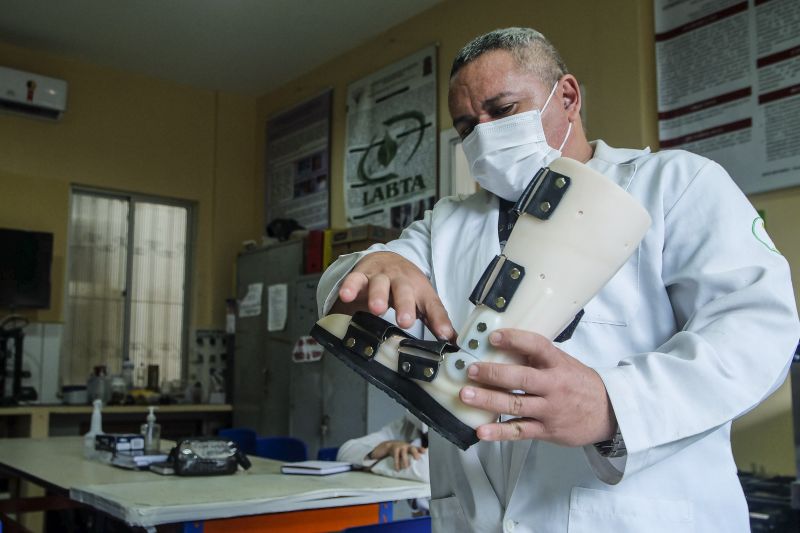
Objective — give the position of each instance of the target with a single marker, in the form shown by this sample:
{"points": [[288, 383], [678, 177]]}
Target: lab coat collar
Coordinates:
{"points": [[617, 164], [616, 156]]}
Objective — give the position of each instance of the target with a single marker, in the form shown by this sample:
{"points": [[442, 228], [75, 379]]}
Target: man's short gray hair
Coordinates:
{"points": [[532, 51]]}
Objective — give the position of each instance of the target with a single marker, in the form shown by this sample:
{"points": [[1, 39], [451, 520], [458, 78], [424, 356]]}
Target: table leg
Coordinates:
{"points": [[40, 428]]}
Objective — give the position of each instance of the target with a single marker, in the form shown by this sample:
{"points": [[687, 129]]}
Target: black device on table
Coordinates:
{"points": [[203, 456]]}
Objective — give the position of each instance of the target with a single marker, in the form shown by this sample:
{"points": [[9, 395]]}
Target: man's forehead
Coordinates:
{"points": [[488, 65], [491, 83]]}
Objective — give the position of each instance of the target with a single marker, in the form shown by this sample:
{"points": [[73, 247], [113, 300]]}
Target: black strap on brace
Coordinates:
{"points": [[497, 285], [423, 362], [569, 330], [543, 194], [366, 332]]}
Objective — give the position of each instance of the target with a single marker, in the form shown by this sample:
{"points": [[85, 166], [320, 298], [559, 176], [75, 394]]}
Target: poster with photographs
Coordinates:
{"points": [[729, 86], [298, 164], [390, 160]]}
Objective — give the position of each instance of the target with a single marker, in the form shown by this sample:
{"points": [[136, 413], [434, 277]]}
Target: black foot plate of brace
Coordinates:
{"points": [[404, 391]]}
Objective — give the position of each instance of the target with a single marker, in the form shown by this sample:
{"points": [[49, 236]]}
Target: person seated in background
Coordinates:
{"points": [[398, 449]]}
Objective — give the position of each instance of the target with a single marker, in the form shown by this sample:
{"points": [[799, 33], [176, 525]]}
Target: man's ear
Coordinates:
{"points": [[571, 95]]}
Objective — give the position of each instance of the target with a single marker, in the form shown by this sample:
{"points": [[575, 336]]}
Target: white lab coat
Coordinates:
{"points": [[407, 429], [696, 329]]}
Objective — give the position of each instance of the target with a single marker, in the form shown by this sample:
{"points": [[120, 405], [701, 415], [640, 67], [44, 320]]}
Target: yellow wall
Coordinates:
{"points": [[132, 133], [611, 51], [618, 76]]}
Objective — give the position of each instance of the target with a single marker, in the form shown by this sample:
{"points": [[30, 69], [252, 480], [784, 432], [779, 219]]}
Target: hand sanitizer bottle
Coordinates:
{"points": [[96, 428], [151, 433]]}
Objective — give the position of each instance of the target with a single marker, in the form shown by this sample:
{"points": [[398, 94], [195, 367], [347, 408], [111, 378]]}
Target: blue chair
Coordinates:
{"points": [[411, 525], [327, 454], [288, 449], [244, 438]]}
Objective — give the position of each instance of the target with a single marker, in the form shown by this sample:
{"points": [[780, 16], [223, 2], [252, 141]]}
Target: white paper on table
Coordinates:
{"points": [[277, 302], [250, 305]]}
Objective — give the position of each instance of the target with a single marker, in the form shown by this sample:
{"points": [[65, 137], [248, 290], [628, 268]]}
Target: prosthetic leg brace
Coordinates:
{"points": [[575, 230]]}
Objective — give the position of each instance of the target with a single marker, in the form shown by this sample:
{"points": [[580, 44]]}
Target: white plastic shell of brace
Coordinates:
{"points": [[567, 259]]}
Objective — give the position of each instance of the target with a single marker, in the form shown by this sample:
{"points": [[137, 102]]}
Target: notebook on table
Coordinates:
{"points": [[315, 468]]}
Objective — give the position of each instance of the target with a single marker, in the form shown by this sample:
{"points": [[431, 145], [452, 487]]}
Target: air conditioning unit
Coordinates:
{"points": [[23, 93]]}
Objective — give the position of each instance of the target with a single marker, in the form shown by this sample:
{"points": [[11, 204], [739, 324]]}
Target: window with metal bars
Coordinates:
{"points": [[127, 285]]}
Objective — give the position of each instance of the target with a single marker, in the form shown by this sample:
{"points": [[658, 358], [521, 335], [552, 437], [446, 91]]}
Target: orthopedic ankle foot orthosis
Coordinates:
{"points": [[575, 229]]}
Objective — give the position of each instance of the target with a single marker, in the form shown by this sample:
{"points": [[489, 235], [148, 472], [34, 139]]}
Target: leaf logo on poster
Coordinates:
{"points": [[388, 147]]}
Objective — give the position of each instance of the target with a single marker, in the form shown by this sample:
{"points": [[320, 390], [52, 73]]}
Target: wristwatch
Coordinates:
{"points": [[614, 447]]}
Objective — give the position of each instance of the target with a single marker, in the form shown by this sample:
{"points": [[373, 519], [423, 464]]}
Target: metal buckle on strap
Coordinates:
{"points": [[420, 359], [498, 284], [366, 332], [543, 194]]}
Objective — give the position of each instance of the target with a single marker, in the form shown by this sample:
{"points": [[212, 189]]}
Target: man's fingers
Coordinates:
{"points": [[404, 303], [509, 377], [502, 402], [353, 284], [437, 320], [539, 351], [415, 453], [400, 457], [378, 289], [515, 429]]}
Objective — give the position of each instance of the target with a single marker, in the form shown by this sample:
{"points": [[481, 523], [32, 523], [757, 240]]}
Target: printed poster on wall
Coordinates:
{"points": [[298, 163], [390, 160], [729, 85]]}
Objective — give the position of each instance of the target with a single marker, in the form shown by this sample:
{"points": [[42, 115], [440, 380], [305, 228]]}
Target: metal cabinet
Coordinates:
{"points": [[322, 402], [262, 358]]}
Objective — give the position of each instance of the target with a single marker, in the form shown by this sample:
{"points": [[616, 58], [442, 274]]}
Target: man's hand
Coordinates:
{"points": [[384, 279], [399, 450], [565, 401]]}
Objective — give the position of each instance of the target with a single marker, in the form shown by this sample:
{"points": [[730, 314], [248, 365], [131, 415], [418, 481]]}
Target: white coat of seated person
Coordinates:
{"points": [[375, 451]]}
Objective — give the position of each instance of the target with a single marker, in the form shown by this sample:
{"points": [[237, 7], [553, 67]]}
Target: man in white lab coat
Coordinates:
{"points": [[626, 425], [399, 449]]}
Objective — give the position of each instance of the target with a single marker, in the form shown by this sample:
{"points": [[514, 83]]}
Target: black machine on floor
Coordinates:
{"points": [[11, 338], [769, 503]]}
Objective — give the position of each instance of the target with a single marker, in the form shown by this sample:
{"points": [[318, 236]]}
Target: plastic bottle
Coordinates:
{"points": [[95, 429], [151, 433], [127, 374]]}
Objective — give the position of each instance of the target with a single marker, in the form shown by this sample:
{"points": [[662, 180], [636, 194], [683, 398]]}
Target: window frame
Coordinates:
{"points": [[188, 275]]}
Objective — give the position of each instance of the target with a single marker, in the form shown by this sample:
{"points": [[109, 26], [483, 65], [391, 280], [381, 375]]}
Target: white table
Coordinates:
{"points": [[148, 499]]}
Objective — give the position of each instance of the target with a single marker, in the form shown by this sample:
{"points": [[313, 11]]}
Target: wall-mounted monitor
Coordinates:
{"points": [[25, 260]]}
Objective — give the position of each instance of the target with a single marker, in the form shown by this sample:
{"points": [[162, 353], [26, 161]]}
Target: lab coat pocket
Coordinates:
{"points": [[593, 510], [447, 515], [618, 300]]}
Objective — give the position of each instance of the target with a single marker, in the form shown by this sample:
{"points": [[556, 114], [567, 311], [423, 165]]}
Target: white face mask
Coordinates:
{"points": [[505, 154]]}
